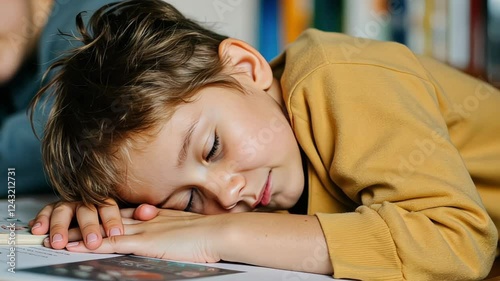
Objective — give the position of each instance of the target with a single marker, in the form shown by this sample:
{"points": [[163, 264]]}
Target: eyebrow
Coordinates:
{"points": [[185, 144]]}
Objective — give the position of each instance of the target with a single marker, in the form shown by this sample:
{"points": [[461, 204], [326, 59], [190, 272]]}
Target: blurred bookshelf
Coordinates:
{"points": [[462, 33]]}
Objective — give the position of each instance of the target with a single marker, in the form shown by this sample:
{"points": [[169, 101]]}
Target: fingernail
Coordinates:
{"points": [[72, 244], [46, 241], [114, 231], [57, 238], [36, 225], [92, 237]]}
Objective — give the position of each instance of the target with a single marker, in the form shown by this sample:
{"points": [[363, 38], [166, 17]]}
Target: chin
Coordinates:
{"points": [[287, 204]]}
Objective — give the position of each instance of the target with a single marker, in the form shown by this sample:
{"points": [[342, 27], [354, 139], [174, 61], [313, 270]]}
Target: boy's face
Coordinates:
{"points": [[223, 152]]}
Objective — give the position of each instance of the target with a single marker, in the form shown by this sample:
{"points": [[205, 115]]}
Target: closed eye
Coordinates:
{"points": [[215, 148], [189, 206]]}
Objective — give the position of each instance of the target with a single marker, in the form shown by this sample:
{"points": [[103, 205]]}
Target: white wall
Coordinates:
{"points": [[234, 18]]}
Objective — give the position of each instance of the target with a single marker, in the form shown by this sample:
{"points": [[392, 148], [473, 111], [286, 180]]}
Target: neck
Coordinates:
{"points": [[275, 92]]}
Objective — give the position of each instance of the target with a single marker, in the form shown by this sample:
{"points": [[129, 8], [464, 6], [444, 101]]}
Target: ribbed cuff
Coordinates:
{"points": [[360, 246]]}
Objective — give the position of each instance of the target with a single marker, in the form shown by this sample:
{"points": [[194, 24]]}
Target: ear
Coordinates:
{"points": [[244, 59]]}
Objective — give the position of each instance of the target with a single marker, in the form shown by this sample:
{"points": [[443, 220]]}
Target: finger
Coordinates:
{"points": [[46, 242], [88, 221], [146, 212], [133, 229], [126, 221], [175, 213], [111, 218], [41, 222], [121, 244], [74, 234], [127, 213], [60, 219]]}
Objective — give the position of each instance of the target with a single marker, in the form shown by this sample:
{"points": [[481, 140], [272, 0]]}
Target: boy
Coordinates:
{"points": [[359, 140]]}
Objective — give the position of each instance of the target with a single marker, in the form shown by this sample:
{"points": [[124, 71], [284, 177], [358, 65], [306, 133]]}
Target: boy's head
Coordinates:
{"points": [[144, 80]]}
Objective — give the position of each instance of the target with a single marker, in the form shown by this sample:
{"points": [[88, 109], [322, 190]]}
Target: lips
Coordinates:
{"points": [[265, 195]]}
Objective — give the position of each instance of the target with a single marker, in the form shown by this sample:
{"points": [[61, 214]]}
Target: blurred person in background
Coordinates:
{"points": [[29, 43]]}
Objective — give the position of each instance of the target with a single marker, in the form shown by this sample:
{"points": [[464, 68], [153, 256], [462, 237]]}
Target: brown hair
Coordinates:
{"points": [[139, 60]]}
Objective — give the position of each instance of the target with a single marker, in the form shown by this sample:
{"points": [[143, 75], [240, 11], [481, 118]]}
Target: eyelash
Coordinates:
{"points": [[214, 149], [190, 202]]}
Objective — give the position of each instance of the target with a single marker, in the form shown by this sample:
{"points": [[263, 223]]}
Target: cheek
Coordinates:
{"points": [[261, 136], [277, 136], [249, 146], [256, 133]]}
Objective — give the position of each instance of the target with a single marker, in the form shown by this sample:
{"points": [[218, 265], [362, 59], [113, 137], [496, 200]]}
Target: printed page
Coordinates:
{"points": [[17, 232], [33, 256]]}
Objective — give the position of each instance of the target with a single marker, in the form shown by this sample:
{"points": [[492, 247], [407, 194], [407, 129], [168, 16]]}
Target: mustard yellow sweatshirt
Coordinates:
{"points": [[398, 147]]}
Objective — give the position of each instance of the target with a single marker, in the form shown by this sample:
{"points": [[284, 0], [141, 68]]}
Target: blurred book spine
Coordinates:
{"points": [[458, 54], [269, 42], [462, 33], [493, 42], [399, 21], [297, 16], [477, 38], [327, 15]]}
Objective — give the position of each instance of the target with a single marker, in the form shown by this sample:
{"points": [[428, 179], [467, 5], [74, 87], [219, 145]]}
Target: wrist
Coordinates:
{"points": [[270, 239], [225, 236]]}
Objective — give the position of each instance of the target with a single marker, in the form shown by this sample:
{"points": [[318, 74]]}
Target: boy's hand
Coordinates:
{"points": [[165, 234], [56, 218], [144, 212]]}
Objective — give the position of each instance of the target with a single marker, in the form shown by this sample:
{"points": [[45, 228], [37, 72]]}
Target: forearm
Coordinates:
{"points": [[292, 242]]}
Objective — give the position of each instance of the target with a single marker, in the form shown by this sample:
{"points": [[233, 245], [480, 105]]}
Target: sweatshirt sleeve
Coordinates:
{"points": [[385, 144]]}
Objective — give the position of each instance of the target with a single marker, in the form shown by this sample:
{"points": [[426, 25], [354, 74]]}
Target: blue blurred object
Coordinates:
{"points": [[269, 29]]}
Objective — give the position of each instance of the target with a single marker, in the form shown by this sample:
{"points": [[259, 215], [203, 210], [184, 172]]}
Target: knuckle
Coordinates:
{"points": [[82, 207], [63, 206], [113, 241], [110, 203], [62, 210], [42, 217], [87, 227], [60, 204], [54, 227], [111, 222]]}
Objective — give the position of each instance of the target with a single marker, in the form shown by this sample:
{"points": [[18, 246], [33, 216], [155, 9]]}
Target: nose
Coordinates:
{"points": [[228, 189]]}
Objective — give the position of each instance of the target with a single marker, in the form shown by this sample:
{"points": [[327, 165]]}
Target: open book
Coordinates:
{"points": [[15, 215], [16, 232], [26, 261]]}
